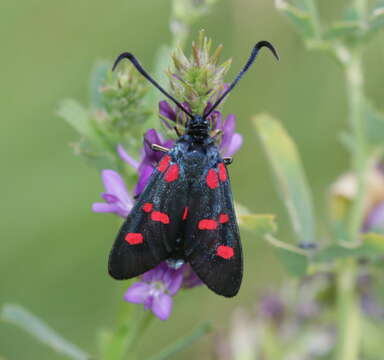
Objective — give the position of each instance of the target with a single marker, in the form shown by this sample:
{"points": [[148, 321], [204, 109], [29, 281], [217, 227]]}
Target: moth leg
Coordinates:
{"points": [[217, 132], [157, 147], [177, 131], [228, 160]]}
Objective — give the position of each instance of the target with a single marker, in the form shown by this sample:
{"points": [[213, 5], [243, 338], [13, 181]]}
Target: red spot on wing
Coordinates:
{"points": [[172, 173], [147, 207], [185, 214], [212, 179], [161, 217], [223, 218], [222, 172], [226, 252], [164, 162], [207, 224], [134, 238]]}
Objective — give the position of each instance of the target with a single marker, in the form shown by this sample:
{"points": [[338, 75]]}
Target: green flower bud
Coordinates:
{"points": [[199, 78]]}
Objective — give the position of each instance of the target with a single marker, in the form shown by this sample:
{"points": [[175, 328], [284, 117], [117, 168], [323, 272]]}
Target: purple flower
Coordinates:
{"points": [[116, 196], [190, 279], [375, 219], [372, 307], [156, 289], [272, 307], [175, 115], [230, 142], [149, 158], [166, 111], [126, 157]]}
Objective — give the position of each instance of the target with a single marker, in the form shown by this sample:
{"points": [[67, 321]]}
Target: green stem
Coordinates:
{"points": [[141, 327], [180, 28], [349, 317], [117, 344], [355, 92], [361, 7], [181, 344]]}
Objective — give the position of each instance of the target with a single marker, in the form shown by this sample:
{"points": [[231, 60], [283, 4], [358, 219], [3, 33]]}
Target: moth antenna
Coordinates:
{"points": [[250, 61], [140, 69]]}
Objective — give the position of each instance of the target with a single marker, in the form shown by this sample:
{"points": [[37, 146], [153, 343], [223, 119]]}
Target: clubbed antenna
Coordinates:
{"points": [[250, 61], [140, 69]]}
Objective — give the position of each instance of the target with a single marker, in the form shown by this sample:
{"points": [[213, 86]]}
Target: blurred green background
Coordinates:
{"points": [[53, 248]]}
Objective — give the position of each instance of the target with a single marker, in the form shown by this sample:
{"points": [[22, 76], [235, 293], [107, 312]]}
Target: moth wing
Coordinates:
{"points": [[149, 233], [211, 238]]}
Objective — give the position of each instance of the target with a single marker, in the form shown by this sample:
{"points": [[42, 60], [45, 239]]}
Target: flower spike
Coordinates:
{"points": [[140, 69], [250, 61]]}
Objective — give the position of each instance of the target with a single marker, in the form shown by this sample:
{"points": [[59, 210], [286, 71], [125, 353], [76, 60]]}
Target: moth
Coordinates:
{"points": [[185, 214]]}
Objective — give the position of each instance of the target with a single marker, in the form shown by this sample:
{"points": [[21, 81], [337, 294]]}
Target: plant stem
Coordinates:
{"points": [[117, 345], [349, 313], [314, 13], [355, 93], [349, 319], [179, 345], [142, 325], [361, 9]]}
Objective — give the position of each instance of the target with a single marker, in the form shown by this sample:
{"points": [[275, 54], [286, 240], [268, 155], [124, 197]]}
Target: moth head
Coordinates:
{"points": [[198, 122]]}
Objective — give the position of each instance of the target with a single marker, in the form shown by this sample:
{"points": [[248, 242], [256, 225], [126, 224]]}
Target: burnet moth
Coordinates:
{"points": [[185, 214]]}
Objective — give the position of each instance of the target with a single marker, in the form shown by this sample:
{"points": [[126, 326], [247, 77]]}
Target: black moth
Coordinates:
{"points": [[185, 213]]}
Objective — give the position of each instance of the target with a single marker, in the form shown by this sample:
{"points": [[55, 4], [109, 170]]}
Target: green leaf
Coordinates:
{"points": [[78, 117], [21, 317], [291, 181], [341, 29], [302, 15], [98, 76], [374, 121], [95, 156], [294, 259], [181, 344], [347, 27], [259, 224], [372, 247], [96, 144], [376, 20], [334, 252], [375, 242]]}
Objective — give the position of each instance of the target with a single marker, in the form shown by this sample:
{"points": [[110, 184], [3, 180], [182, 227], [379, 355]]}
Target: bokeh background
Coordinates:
{"points": [[53, 248]]}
